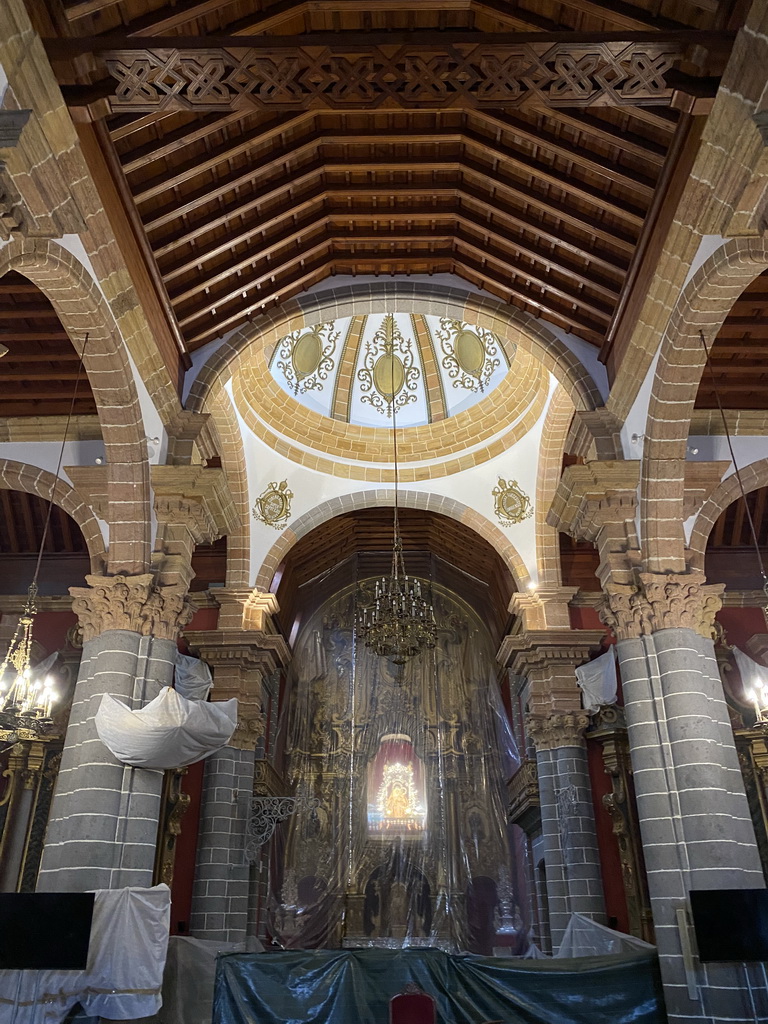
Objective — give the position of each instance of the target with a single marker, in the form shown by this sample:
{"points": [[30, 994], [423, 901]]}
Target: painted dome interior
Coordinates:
{"points": [[361, 369]]}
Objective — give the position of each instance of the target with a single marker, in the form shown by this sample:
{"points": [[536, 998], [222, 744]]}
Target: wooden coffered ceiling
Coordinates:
{"points": [[547, 206], [739, 354], [41, 368], [357, 545]]}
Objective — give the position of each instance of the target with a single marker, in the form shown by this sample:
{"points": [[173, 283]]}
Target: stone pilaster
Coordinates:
{"points": [[571, 856], [102, 830], [547, 658], [244, 660]]}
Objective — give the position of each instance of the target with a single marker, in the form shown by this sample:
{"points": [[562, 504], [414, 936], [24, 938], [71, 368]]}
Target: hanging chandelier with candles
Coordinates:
{"points": [[395, 616], [27, 692]]}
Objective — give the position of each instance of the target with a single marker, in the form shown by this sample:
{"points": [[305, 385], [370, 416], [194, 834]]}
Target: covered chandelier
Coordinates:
{"points": [[395, 620]]}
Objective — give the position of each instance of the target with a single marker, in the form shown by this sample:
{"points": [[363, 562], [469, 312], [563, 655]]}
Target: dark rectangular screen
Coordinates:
{"points": [[731, 924], [45, 931]]}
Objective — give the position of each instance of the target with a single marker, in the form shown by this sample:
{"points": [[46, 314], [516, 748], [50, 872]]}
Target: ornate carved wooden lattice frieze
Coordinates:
{"points": [[468, 75]]}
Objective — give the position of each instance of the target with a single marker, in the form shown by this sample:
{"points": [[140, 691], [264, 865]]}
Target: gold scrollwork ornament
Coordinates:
{"points": [[511, 503], [273, 506]]}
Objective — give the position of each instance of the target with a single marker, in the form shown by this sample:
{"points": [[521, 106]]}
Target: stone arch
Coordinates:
{"points": [[509, 323], [703, 305], [553, 438], [753, 476], [233, 462], [408, 499], [19, 476], [83, 309]]}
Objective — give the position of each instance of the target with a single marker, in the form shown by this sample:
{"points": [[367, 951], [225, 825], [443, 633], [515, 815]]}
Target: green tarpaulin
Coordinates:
{"points": [[355, 986]]}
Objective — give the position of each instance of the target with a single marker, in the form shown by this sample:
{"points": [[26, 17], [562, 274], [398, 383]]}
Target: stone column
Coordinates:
{"points": [[243, 652], [547, 652], [102, 829], [572, 858], [694, 819]]}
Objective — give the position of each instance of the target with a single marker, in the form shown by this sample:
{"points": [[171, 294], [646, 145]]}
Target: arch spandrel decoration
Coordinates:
{"points": [[408, 499]]}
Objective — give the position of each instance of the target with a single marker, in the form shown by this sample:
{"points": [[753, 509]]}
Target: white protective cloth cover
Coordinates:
{"points": [[598, 682], [585, 937], [190, 972], [169, 732], [752, 673], [124, 976], [192, 677]]}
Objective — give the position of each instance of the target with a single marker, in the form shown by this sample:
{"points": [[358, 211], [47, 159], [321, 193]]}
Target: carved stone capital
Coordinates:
{"points": [[134, 603], [657, 601], [557, 729], [249, 730]]}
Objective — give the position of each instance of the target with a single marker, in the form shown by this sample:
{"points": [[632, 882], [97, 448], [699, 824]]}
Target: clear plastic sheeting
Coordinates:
{"points": [[192, 677], [585, 937], [400, 837], [598, 681], [169, 732], [124, 976], [190, 972]]}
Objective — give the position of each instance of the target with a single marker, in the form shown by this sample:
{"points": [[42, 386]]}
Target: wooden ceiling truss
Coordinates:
{"points": [[39, 372], [263, 147]]}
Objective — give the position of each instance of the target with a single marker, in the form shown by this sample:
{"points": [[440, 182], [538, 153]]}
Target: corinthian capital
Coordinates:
{"points": [[657, 601], [134, 603], [557, 729]]}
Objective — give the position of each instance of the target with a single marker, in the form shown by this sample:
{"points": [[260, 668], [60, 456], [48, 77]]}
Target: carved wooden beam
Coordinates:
{"points": [[501, 71]]}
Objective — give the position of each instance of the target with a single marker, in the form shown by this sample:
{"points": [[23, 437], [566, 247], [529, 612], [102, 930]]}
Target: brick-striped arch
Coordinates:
{"points": [[230, 448], [553, 438], [513, 327], [82, 309], [20, 476], [753, 476], [407, 499], [703, 305]]}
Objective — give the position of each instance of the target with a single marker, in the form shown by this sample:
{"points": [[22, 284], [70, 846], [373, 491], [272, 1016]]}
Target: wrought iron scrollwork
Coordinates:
{"points": [[266, 814]]}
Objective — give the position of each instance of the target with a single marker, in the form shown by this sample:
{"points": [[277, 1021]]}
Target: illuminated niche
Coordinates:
{"points": [[396, 804]]}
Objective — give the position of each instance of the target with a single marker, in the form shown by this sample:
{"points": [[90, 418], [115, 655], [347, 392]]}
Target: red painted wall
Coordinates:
{"points": [[741, 624], [610, 862]]}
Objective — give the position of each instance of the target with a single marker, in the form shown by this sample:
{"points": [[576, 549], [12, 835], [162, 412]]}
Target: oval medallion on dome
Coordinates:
{"points": [[307, 353], [389, 375], [469, 352]]}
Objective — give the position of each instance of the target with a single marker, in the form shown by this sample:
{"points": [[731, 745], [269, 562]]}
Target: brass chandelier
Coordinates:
{"points": [[396, 620]]}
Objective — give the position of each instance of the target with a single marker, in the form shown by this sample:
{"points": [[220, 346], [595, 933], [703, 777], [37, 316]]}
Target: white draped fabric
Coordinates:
{"points": [[169, 732], [598, 681], [124, 976]]}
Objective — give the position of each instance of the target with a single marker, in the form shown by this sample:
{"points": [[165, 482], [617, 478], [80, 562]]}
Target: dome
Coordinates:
{"points": [[362, 369]]}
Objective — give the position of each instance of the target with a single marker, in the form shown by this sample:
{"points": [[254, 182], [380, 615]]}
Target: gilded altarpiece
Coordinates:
{"points": [[400, 834]]}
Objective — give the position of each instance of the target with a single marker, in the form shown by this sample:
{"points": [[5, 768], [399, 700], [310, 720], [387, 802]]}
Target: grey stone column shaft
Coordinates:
{"points": [[220, 892], [694, 819], [571, 856], [102, 830]]}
